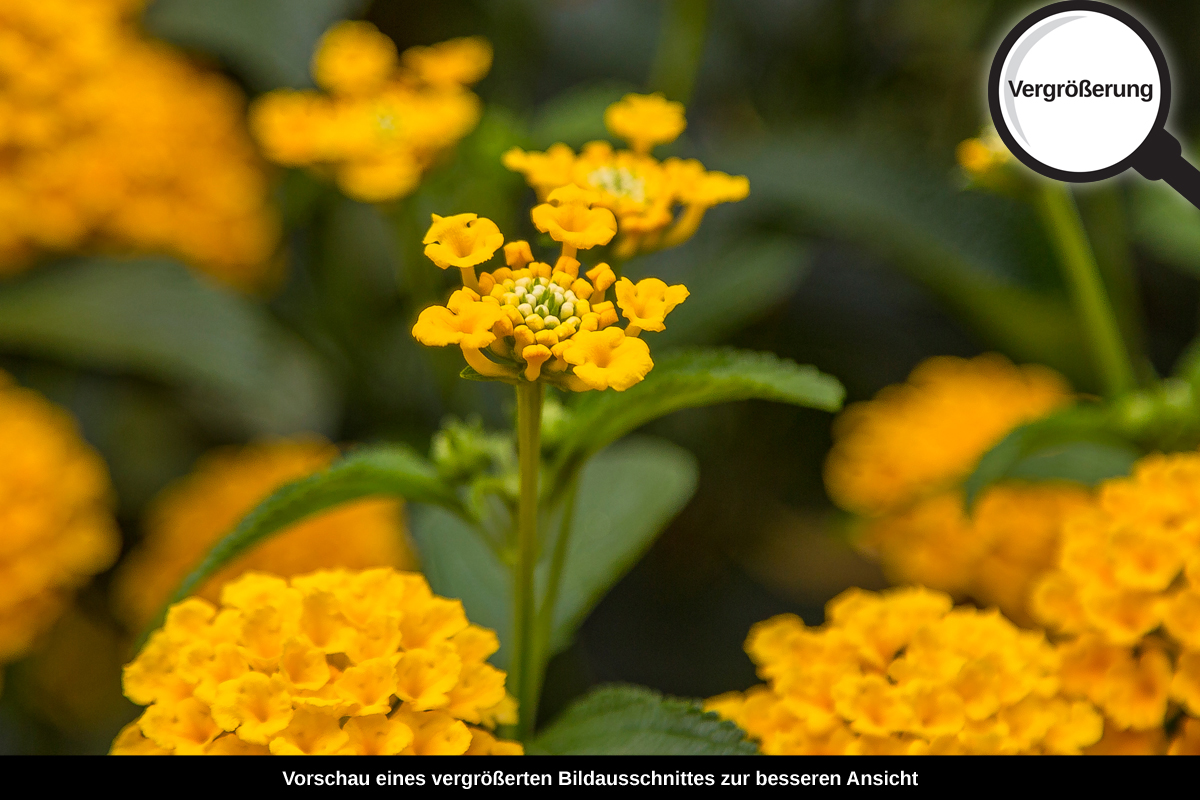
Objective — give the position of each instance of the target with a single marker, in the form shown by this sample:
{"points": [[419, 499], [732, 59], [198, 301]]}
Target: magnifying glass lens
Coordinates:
{"points": [[1080, 91]]}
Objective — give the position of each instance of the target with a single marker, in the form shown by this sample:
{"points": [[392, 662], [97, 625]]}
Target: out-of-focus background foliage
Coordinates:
{"points": [[859, 250]]}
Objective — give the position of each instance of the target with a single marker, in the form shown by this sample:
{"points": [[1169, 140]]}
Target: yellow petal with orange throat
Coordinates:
{"points": [[647, 303], [470, 327], [608, 359], [462, 240]]}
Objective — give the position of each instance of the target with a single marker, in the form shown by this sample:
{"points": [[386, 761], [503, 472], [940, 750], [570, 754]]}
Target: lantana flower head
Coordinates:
{"points": [[56, 523], [383, 119], [192, 514], [530, 321], [333, 662], [655, 204], [1125, 597], [114, 142], [904, 672]]}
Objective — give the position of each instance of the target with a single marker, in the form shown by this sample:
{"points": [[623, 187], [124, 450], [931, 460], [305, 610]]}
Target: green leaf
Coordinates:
{"points": [[576, 116], [392, 470], [153, 318], [984, 255], [728, 289], [268, 42], [1079, 443], [627, 495], [1166, 225], [632, 720], [690, 379]]}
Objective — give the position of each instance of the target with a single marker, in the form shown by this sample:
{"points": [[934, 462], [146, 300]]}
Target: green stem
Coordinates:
{"points": [[1070, 239], [545, 614], [524, 672]]}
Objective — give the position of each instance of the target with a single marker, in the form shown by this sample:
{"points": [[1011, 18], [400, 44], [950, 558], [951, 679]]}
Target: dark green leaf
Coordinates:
{"points": [[368, 472], [576, 116], [627, 495], [690, 379], [983, 254], [269, 42], [728, 289], [1058, 446], [1166, 225], [153, 318], [632, 720]]}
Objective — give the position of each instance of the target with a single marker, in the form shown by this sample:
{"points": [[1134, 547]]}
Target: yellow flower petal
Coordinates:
{"points": [[647, 303], [462, 240], [645, 120], [608, 359]]}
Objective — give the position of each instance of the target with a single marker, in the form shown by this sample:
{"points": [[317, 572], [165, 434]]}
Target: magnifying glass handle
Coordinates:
{"points": [[1161, 158]]}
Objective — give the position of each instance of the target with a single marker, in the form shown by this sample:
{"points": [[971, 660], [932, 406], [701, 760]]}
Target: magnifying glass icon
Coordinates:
{"points": [[1079, 91]]}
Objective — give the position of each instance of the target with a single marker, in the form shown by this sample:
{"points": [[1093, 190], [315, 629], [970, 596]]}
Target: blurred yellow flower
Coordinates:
{"points": [[333, 662], [992, 555], [384, 120], [56, 523], [981, 155], [926, 435], [905, 673], [1125, 595], [656, 204], [112, 143], [194, 513], [645, 121]]}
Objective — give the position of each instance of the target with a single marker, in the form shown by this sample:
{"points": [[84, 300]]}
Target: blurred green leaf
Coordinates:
{"points": [[576, 116], [728, 289], [633, 720], [690, 379], [154, 318], [389, 470], [1080, 443], [983, 254], [268, 42], [1166, 225], [627, 495]]}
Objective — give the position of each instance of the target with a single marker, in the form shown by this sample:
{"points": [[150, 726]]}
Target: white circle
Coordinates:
{"points": [[1112, 74]]}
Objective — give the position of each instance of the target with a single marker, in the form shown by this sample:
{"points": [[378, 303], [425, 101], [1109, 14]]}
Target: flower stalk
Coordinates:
{"points": [[1091, 301], [525, 671]]}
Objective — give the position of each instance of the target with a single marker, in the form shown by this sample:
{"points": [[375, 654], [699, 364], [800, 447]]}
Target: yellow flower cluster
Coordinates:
{"points": [[530, 321], [656, 204], [110, 142], [905, 673], [194, 513], [898, 461], [56, 525], [384, 117], [1126, 597], [334, 662]]}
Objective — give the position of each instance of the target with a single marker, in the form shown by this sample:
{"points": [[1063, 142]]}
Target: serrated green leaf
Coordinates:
{"points": [[633, 720], [382, 470], [268, 42], [1056, 447], [627, 495], [153, 318], [690, 379]]}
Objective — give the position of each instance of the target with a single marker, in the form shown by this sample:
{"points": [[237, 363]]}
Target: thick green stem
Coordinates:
{"points": [[1070, 239], [524, 672], [544, 626]]}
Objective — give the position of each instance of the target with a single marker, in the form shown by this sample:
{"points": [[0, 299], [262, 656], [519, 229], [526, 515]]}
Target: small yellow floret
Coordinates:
{"points": [[462, 240], [648, 303], [645, 120]]}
